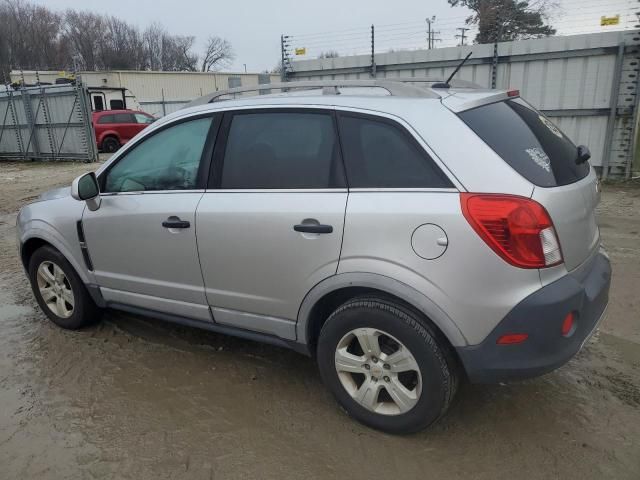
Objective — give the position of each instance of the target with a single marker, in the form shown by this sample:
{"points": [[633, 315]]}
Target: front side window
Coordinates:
{"points": [[381, 154], [142, 118], [167, 160], [281, 150]]}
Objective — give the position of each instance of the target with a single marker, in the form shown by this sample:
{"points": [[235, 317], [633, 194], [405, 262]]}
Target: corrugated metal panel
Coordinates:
{"points": [[574, 73], [46, 123]]}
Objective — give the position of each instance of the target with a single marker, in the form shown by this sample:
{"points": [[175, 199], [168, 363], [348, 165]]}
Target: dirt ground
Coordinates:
{"points": [[136, 399]]}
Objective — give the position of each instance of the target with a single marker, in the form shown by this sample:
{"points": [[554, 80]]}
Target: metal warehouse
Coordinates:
{"points": [[158, 93]]}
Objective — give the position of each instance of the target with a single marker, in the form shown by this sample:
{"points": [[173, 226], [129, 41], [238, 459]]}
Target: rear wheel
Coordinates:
{"points": [[59, 290], [110, 144], [385, 365]]}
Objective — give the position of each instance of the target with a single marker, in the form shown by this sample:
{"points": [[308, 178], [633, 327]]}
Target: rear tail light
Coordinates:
{"points": [[518, 229]]}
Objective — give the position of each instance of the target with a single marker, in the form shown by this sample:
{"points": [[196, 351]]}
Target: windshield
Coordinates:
{"points": [[528, 141]]}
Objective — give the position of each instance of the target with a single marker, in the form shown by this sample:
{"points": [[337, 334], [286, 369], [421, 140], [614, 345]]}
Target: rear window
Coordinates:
{"points": [[528, 141]]}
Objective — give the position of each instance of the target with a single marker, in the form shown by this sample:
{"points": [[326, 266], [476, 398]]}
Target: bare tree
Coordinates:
{"points": [[85, 33], [122, 46], [35, 37], [218, 54], [180, 55], [168, 52], [29, 36]]}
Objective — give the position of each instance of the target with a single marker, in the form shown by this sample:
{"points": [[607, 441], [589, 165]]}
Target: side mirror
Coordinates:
{"points": [[85, 188], [583, 154]]}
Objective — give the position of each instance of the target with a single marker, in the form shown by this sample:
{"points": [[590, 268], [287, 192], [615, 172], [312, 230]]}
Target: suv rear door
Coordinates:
{"points": [[538, 150], [270, 224]]}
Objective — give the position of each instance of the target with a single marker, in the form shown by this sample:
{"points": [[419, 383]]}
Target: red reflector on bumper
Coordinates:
{"points": [[567, 324], [512, 338]]}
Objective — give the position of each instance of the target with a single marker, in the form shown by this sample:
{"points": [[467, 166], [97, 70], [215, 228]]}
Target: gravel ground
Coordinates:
{"points": [[135, 398]]}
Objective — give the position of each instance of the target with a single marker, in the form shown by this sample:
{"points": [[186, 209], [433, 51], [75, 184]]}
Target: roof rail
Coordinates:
{"points": [[329, 87]]}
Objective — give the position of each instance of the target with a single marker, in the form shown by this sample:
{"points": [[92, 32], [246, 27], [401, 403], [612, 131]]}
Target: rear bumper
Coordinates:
{"points": [[540, 316]]}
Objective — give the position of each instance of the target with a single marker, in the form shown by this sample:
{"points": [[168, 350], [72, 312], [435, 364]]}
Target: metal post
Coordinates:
{"points": [[428, 34], [85, 116], [613, 107], [164, 110], [494, 63], [31, 120], [373, 49], [283, 67]]}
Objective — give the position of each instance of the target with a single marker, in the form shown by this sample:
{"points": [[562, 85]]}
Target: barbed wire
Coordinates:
{"points": [[413, 34]]}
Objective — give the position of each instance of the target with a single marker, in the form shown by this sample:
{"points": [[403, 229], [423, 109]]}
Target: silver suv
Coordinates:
{"points": [[405, 236]]}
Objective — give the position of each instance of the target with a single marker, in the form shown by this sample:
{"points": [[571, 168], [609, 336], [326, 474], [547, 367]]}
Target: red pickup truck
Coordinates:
{"points": [[116, 127]]}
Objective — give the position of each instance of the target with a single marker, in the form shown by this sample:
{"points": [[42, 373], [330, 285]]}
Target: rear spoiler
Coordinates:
{"points": [[459, 101]]}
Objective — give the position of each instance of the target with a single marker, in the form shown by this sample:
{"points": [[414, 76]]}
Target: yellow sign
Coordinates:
{"points": [[301, 51], [605, 21]]}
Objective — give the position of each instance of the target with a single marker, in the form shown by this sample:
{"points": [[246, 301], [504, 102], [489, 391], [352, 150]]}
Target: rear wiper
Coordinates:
{"points": [[583, 154]]}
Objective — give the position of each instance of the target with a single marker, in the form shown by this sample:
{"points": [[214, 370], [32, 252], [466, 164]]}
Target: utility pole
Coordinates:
{"points": [[462, 36], [430, 39]]}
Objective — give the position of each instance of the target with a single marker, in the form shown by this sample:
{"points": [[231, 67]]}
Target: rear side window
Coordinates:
{"points": [[281, 150], [124, 118], [106, 119], [381, 154], [528, 141]]}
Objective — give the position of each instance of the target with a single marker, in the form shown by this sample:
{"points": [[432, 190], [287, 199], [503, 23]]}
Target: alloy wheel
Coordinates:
{"points": [[55, 289], [378, 371]]}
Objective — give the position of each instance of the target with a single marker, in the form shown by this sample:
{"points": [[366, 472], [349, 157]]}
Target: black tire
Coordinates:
{"points": [[85, 311], [110, 144], [432, 353]]}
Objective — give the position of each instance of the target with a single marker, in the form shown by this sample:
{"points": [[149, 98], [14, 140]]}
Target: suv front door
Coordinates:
{"points": [[142, 240], [270, 224]]}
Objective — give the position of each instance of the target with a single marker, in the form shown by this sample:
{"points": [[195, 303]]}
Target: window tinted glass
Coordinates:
{"points": [[168, 160], [282, 150], [106, 119], [528, 141], [142, 118], [124, 118], [116, 104], [380, 154]]}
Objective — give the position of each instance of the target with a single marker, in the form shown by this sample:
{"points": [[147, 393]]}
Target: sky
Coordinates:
{"points": [[254, 27]]}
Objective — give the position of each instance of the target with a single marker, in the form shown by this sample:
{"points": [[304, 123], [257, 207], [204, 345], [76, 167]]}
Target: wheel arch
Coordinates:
{"points": [[326, 296], [39, 238]]}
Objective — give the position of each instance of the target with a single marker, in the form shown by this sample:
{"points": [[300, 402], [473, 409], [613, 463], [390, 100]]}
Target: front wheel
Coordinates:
{"points": [[59, 290], [386, 365]]}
